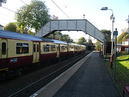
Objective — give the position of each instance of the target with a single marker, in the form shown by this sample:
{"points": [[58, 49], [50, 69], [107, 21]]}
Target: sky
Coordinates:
{"points": [[75, 9]]}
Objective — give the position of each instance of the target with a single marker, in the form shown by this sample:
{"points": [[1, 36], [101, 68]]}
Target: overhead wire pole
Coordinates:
{"points": [[59, 8]]}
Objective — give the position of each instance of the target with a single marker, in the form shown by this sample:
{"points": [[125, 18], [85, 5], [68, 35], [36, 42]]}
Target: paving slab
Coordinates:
{"points": [[91, 80]]}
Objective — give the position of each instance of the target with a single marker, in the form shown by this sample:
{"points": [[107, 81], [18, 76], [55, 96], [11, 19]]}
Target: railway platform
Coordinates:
{"points": [[87, 78]]}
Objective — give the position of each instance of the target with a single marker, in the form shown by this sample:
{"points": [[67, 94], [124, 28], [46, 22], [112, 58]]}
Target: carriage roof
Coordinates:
{"points": [[19, 36]]}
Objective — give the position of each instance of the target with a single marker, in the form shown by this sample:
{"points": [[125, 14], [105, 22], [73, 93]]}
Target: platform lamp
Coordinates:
{"points": [[112, 37]]}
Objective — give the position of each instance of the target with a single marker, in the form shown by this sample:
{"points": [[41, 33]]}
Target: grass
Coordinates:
{"points": [[123, 60], [120, 71]]}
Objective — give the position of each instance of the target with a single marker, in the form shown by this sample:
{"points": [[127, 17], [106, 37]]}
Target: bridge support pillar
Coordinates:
{"points": [[107, 49]]}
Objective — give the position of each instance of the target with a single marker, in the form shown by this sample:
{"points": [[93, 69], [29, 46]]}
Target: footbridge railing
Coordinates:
{"points": [[71, 25]]}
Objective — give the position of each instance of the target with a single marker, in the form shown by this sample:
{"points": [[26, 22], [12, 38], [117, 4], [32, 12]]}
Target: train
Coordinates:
{"points": [[18, 50]]}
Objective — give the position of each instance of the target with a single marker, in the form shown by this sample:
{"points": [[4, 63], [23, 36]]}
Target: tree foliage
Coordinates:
{"points": [[66, 38], [123, 36], [98, 45], [90, 41], [11, 27], [14, 28], [59, 36], [32, 16], [82, 40], [107, 34]]}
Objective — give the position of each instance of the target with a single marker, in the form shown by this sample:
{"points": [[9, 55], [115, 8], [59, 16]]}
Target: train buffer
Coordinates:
{"points": [[89, 77]]}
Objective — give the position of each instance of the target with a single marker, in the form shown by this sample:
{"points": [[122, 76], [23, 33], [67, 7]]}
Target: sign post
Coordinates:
{"points": [[115, 33]]}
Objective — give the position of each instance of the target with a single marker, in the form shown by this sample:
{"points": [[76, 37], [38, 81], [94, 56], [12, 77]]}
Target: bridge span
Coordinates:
{"points": [[71, 25]]}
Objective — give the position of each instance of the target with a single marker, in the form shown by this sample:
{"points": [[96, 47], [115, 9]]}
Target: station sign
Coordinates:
{"points": [[115, 33]]}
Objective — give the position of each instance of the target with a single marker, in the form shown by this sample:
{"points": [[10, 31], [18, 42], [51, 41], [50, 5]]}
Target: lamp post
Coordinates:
{"points": [[112, 37], [115, 33]]}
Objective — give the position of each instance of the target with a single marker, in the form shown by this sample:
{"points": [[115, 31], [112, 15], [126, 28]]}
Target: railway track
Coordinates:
{"points": [[27, 85]]}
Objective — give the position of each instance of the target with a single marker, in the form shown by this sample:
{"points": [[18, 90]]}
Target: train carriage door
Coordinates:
{"points": [[36, 52], [3, 45]]}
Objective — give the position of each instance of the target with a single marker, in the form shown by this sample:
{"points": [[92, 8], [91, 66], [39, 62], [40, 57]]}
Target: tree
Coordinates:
{"points": [[121, 37], [11, 27], [107, 34], [59, 36], [32, 16], [82, 40], [66, 38], [90, 41], [125, 37], [56, 35], [98, 45]]}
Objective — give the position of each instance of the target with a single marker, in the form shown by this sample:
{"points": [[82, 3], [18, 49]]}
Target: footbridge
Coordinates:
{"points": [[71, 25]]}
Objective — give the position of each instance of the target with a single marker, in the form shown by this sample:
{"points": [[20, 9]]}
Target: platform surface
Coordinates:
{"points": [[91, 80]]}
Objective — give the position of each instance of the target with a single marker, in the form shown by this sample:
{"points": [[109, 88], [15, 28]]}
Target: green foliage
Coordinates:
{"points": [[11, 27], [59, 36], [107, 34], [14, 28], [125, 37], [122, 71], [98, 45], [122, 37], [82, 40], [90, 41], [66, 38], [32, 16], [56, 35], [106, 31]]}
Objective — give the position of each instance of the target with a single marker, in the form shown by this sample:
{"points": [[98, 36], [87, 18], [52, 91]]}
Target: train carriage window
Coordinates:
{"points": [[22, 48], [25, 48], [63, 48], [53, 48], [18, 48], [46, 48], [3, 48]]}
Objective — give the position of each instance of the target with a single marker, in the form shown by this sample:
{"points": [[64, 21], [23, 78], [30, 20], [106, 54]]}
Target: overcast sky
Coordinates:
{"points": [[75, 10]]}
